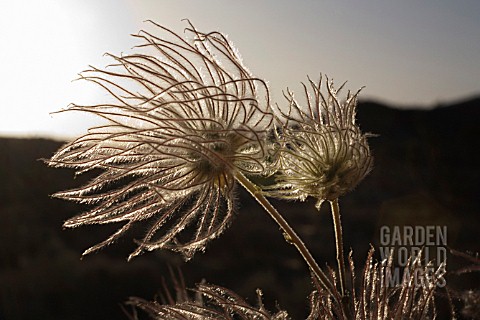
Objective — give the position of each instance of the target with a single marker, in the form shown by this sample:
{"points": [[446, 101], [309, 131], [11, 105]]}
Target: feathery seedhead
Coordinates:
{"points": [[185, 116], [211, 303], [375, 293], [322, 152]]}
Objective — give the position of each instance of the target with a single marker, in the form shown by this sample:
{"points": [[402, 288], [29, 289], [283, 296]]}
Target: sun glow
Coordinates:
{"points": [[42, 52]]}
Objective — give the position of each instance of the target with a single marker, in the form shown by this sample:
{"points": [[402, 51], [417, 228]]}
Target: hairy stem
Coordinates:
{"points": [[337, 225], [289, 233]]}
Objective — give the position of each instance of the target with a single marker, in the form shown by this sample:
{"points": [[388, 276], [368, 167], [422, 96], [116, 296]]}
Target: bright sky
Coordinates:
{"points": [[405, 52]]}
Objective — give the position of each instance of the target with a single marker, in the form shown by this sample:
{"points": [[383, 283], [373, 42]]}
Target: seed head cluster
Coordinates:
{"points": [[184, 119]]}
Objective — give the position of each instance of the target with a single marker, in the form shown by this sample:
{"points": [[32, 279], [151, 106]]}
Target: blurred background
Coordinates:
{"points": [[419, 62]]}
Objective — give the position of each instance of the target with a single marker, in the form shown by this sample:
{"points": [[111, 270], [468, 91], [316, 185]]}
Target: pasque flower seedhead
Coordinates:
{"points": [[322, 152], [185, 117]]}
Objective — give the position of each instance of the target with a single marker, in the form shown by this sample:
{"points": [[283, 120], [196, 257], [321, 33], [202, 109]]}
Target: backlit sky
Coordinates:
{"points": [[405, 52]]}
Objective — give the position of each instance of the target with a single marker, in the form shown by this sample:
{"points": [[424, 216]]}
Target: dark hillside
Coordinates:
{"points": [[426, 173]]}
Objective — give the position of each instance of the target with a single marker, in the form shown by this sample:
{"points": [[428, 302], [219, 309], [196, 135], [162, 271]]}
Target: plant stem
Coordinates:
{"points": [[289, 233], [337, 225]]}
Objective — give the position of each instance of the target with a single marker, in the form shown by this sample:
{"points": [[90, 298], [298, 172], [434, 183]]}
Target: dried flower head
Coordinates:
{"points": [[323, 153], [377, 295], [211, 302], [185, 116]]}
